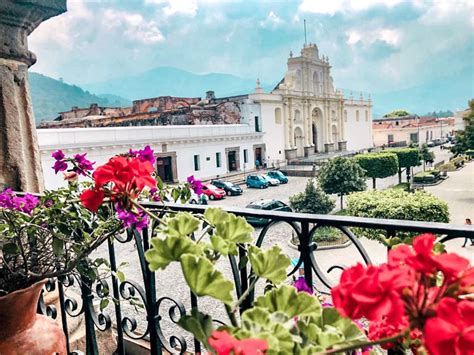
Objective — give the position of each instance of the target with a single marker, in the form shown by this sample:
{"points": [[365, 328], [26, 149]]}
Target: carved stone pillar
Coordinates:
{"points": [[20, 161]]}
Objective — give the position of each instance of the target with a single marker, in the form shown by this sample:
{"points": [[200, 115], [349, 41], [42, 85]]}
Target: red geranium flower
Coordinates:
{"points": [[92, 199], [451, 331], [384, 329], [372, 292], [224, 344]]}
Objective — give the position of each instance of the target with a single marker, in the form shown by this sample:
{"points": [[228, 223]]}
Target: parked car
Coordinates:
{"points": [[266, 205], [271, 181], [276, 174], [256, 181], [229, 188], [213, 192], [431, 144], [196, 199]]}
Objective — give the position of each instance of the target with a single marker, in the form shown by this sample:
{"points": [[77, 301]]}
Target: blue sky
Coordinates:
{"points": [[373, 45]]}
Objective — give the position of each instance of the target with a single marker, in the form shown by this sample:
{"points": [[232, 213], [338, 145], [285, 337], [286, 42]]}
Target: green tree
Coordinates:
{"points": [[426, 155], [465, 139], [312, 200], [378, 165], [407, 157], [396, 204], [397, 113], [342, 176]]}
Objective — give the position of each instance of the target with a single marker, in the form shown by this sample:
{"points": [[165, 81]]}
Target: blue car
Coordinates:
{"points": [[256, 181], [275, 174]]}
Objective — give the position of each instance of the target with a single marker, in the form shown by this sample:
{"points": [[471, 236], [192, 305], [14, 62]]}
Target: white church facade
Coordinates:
{"points": [[305, 115]]}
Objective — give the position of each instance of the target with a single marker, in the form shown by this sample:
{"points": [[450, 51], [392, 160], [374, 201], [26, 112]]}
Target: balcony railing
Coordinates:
{"points": [[163, 335]]}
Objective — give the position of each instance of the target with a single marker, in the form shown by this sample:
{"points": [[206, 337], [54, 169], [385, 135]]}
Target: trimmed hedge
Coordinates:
{"points": [[378, 165], [396, 204], [407, 157]]}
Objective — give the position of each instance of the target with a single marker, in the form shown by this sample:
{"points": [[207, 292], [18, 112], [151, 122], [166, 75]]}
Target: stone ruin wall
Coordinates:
{"points": [[160, 111]]}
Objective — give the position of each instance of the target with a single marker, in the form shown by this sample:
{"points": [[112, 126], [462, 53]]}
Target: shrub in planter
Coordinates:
{"points": [[396, 204]]}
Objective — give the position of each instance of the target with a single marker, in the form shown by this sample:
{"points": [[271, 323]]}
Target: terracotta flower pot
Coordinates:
{"points": [[23, 331]]}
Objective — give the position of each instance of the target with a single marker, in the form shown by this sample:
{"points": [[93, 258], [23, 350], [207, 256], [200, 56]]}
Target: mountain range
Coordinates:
{"points": [[51, 96]]}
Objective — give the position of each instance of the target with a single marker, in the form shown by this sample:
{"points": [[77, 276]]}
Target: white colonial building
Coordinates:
{"points": [[302, 116], [181, 151]]}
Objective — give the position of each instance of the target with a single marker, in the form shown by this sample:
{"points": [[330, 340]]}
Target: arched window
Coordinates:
{"points": [[333, 115], [316, 82], [366, 116], [357, 115], [278, 115], [345, 116]]}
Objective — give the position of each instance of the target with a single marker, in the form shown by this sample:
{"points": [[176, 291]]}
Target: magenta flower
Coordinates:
{"points": [[147, 154], [196, 185], [58, 155], [25, 204], [83, 164], [129, 218], [59, 165], [302, 286]]}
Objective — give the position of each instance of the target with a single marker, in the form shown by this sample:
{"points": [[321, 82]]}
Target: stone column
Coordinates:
{"points": [[20, 161]]}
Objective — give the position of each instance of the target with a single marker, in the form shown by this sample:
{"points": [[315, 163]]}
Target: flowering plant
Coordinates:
{"points": [[53, 234], [418, 299]]}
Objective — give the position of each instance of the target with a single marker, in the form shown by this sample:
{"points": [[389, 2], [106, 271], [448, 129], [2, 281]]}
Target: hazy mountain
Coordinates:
{"points": [[450, 93], [168, 81], [51, 96]]}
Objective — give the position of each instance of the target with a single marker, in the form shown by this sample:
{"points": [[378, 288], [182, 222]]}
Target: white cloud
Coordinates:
{"points": [[134, 26], [272, 21], [177, 7], [390, 36], [330, 7], [439, 11]]}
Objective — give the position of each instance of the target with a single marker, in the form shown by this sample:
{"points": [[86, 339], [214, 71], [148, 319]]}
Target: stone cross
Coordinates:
{"points": [[20, 161]]}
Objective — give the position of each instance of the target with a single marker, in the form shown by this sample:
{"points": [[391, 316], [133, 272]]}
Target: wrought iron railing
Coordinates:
{"points": [[150, 324]]}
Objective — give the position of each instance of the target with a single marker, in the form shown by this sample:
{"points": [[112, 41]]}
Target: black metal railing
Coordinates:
{"points": [[141, 288]]}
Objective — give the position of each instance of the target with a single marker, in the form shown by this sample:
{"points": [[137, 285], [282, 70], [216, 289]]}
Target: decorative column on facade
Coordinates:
{"points": [[20, 161], [286, 124]]}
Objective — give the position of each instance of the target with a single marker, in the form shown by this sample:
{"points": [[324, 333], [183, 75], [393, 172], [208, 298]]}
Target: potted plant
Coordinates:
{"points": [[48, 236]]}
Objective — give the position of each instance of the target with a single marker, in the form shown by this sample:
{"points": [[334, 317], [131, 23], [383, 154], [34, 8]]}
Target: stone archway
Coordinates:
{"points": [[299, 141]]}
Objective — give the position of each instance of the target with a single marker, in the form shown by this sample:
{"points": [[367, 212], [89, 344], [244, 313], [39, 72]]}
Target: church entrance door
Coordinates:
{"points": [[298, 136]]}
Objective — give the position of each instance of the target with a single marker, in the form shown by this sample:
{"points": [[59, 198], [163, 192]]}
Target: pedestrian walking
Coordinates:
{"points": [[468, 222]]}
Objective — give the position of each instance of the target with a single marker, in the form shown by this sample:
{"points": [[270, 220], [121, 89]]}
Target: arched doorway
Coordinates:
{"points": [[316, 123], [315, 137], [298, 140]]}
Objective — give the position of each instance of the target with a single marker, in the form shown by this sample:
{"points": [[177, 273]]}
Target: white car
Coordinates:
{"points": [[271, 181], [196, 199]]}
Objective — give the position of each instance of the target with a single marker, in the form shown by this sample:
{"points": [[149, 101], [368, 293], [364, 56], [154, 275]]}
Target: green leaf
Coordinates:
{"points": [[270, 264], [215, 215], [234, 229], [104, 303], [175, 194], [159, 183], [165, 251], [287, 300], [58, 246], [10, 248], [349, 329], [199, 324], [204, 280], [243, 262], [181, 225], [120, 275], [222, 246]]}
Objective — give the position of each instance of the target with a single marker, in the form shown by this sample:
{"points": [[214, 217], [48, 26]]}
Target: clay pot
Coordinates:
{"points": [[23, 331]]}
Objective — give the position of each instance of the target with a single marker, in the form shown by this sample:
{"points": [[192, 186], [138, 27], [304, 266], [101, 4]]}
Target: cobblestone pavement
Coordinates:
{"points": [[170, 283]]}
